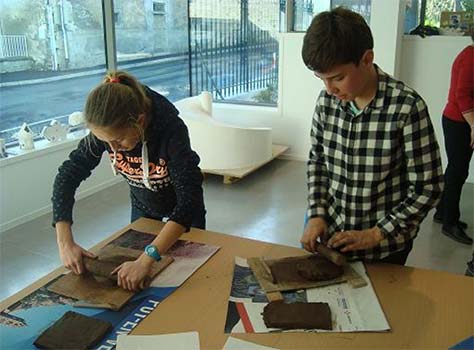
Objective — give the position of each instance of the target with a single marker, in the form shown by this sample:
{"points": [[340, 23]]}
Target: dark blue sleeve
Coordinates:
{"points": [[71, 173], [186, 176]]}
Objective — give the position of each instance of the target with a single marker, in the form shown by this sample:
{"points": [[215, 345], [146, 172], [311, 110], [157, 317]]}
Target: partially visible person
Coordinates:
{"points": [[470, 267], [374, 169], [458, 128], [148, 144]]}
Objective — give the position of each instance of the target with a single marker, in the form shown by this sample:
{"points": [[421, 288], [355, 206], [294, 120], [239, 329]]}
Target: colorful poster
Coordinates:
{"points": [[25, 320]]}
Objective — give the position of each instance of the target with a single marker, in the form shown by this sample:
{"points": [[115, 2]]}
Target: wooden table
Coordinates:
{"points": [[425, 309]]}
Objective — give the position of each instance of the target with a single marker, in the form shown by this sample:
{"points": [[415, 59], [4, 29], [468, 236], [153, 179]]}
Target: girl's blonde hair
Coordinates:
{"points": [[117, 102]]}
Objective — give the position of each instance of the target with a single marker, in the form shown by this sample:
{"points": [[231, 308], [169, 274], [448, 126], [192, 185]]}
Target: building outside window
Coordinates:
{"points": [[152, 44], [234, 49], [434, 8], [50, 58], [429, 11], [305, 10]]}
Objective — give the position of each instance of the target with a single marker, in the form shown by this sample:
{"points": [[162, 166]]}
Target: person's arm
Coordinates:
{"points": [[70, 174], [464, 91], [131, 275], [69, 251], [186, 178], [464, 88], [317, 180], [469, 117], [425, 173]]}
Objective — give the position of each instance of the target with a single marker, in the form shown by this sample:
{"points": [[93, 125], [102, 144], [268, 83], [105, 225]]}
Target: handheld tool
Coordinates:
{"points": [[332, 255]]}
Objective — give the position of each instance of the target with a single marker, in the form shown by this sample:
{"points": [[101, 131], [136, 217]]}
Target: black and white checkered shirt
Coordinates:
{"points": [[380, 168]]}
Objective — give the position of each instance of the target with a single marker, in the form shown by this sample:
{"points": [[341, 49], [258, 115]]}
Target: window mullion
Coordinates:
{"points": [[109, 34]]}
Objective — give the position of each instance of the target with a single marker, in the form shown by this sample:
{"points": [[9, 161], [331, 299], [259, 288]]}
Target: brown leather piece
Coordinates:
{"points": [[101, 268], [278, 314], [73, 331], [311, 268], [101, 290]]}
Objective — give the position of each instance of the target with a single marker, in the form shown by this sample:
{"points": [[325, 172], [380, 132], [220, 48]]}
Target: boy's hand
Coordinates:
{"points": [[355, 240], [314, 229]]}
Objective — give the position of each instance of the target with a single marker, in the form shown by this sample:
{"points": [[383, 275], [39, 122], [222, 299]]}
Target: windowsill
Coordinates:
{"points": [[436, 37], [243, 107], [42, 147]]}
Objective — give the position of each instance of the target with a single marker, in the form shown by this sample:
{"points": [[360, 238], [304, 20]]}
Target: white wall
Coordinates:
{"points": [[26, 183], [386, 23], [426, 67]]}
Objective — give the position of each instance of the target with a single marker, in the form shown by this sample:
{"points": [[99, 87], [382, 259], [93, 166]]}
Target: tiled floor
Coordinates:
{"points": [[267, 205]]}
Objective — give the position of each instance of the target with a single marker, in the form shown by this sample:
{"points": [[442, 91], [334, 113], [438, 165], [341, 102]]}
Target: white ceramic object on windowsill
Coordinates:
{"points": [[76, 119], [3, 149], [55, 132], [25, 137]]}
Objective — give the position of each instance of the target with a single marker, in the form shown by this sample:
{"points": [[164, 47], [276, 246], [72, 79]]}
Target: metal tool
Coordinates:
{"points": [[332, 255]]}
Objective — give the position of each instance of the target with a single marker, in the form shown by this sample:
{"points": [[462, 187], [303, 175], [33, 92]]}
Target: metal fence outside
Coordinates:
{"points": [[233, 47], [13, 46]]}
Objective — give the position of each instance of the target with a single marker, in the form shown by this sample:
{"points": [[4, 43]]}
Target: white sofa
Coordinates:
{"points": [[222, 145]]}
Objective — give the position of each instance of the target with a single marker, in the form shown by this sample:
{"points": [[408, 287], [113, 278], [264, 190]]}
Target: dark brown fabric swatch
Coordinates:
{"points": [[278, 314], [73, 331], [311, 268]]}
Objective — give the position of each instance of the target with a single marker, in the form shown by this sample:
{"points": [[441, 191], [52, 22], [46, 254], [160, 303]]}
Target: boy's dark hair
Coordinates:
{"points": [[336, 37]]}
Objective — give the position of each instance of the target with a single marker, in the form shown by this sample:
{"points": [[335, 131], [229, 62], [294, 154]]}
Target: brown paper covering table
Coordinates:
{"points": [[425, 309]]}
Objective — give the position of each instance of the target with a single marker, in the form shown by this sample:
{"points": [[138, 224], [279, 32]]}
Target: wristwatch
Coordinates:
{"points": [[152, 251]]}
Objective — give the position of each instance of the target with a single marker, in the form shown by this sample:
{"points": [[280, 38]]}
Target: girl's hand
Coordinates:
{"points": [[71, 256], [133, 275]]}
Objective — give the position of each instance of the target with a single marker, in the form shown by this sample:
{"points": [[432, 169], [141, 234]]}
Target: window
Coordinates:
{"points": [[362, 7], [49, 60], [430, 13], [412, 14], [305, 10], [158, 8], [234, 49], [155, 48], [434, 8]]}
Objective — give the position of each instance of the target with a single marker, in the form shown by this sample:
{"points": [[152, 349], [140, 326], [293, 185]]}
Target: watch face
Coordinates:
{"points": [[150, 249]]}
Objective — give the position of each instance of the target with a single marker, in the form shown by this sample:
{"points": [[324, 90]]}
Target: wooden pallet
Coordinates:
{"points": [[233, 175]]}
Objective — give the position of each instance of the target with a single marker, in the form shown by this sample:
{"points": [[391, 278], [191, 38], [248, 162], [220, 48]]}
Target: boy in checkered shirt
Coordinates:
{"points": [[374, 168]]}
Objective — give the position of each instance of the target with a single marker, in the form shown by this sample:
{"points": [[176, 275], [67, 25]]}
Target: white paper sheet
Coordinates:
{"points": [[239, 344], [352, 309], [176, 341]]}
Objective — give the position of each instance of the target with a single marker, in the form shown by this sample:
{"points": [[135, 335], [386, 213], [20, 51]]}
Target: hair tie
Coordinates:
{"points": [[114, 80]]}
